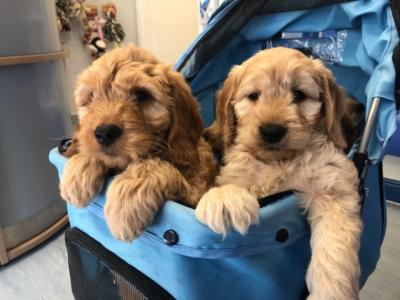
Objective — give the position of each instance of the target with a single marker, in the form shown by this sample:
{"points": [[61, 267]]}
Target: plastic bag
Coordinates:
{"points": [[325, 45]]}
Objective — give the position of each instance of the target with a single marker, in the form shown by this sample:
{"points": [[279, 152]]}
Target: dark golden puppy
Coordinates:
{"points": [[279, 124], [136, 115]]}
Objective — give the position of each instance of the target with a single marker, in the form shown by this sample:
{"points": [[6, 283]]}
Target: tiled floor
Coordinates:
{"points": [[40, 275]]}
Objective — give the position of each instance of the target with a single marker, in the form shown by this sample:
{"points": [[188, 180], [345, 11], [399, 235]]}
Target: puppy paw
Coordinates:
{"points": [[312, 297], [131, 206], [82, 180], [322, 286], [228, 206]]}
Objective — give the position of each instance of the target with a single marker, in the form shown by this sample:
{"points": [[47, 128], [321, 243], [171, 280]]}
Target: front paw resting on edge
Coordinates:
{"points": [[131, 206], [228, 206], [82, 180]]}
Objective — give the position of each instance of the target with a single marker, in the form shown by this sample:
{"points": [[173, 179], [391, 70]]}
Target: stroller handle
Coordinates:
{"points": [[369, 124], [360, 158]]}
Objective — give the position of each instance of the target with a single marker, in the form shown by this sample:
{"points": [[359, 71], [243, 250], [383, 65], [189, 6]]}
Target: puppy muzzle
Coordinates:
{"points": [[107, 134], [272, 133]]}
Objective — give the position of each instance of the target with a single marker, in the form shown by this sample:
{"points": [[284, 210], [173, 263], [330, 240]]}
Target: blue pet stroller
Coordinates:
{"points": [[177, 257]]}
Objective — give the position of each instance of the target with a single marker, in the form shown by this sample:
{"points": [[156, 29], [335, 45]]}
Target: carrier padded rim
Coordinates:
{"points": [[168, 264], [275, 217]]}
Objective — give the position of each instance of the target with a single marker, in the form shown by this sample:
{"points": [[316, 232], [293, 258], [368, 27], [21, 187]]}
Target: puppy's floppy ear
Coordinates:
{"points": [[333, 105], [221, 133], [82, 97], [186, 123], [213, 134]]}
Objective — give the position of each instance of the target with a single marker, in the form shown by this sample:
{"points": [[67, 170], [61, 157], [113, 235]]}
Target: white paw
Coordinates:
{"points": [[336, 287], [228, 206]]}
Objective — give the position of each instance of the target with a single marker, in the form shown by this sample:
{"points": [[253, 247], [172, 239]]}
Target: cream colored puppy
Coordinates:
{"points": [[278, 124]]}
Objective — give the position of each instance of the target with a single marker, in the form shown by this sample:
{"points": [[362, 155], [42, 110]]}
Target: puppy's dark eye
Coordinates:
{"points": [[140, 95], [254, 96], [298, 96]]}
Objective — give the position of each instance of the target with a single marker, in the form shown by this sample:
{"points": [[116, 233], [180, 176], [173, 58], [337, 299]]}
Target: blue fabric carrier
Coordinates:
{"points": [[272, 259]]}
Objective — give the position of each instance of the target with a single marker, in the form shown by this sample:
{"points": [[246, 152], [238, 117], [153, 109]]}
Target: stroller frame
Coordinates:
{"points": [[274, 254]]}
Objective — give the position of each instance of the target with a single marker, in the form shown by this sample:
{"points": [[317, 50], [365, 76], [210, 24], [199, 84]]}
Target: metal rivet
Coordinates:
{"points": [[170, 237], [282, 235]]}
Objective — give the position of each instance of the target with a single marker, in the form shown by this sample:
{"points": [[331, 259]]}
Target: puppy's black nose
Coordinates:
{"points": [[107, 134], [272, 133]]}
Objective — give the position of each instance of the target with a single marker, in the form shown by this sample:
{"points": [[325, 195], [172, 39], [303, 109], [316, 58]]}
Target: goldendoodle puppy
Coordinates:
{"points": [[138, 116], [278, 123]]}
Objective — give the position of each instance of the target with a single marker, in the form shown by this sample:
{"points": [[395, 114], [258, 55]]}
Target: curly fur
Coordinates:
{"points": [[309, 159], [160, 152]]}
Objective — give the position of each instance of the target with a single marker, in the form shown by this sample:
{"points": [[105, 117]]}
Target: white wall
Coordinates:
{"points": [[167, 27]]}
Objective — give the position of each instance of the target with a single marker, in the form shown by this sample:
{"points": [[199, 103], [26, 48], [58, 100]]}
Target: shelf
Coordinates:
{"points": [[7, 255], [391, 167], [32, 58]]}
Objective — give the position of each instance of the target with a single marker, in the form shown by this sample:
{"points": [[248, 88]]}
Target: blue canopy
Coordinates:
{"points": [[366, 68]]}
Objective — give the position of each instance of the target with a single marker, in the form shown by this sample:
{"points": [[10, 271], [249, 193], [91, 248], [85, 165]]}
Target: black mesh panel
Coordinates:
{"points": [[98, 274]]}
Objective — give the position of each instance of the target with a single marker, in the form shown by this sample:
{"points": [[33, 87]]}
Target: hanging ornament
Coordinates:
{"points": [[113, 31], [97, 32], [93, 32], [79, 11], [65, 14]]}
